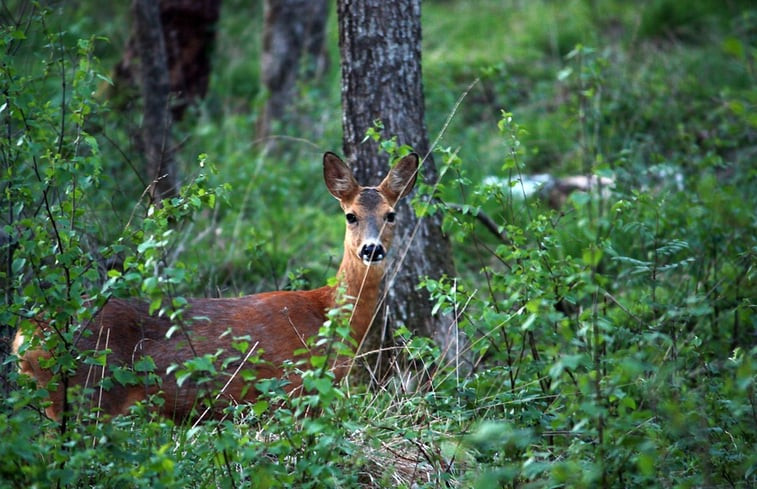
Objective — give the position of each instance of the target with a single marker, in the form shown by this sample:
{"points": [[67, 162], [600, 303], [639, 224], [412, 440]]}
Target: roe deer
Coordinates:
{"points": [[278, 323]]}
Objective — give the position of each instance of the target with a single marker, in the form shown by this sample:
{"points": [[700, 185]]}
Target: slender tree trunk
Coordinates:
{"points": [[380, 44], [168, 57], [292, 30], [189, 32], [157, 120]]}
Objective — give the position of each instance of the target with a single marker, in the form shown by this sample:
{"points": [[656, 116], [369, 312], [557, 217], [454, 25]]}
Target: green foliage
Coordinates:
{"points": [[607, 342], [613, 328]]}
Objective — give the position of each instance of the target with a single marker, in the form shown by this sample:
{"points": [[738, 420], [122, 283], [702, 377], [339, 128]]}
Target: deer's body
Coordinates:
{"points": [[275, 324]]}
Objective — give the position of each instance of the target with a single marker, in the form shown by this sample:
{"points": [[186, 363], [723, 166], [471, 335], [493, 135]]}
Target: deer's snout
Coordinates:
{"points": [[372, 253]]}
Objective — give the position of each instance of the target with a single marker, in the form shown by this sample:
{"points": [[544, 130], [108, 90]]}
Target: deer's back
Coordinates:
{"points": [[272, 324]]}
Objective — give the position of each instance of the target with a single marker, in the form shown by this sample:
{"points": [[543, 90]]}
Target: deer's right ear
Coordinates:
{"points": [[401, 179], [338, 177]]}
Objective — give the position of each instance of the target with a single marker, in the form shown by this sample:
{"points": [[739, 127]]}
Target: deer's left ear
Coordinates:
{"points": [[338, 178], [401, 179]]}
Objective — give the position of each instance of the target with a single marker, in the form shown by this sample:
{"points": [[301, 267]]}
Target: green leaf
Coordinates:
{"points": [[150, 284], [125, 376], [259, 407], [528, 322], [646, 464], [592, 255], [733, 47], [182, 376], [564, 73], [144, 364], [155, 305], [323, 385], [318, 361]]}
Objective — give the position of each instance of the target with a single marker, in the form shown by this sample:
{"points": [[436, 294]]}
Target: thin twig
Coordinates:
{"points": [[487, 221], [228, 382]]}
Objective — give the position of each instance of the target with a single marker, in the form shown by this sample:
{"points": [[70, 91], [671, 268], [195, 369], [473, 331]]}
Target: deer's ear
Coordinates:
{"points": [[401, 179], [338, 177]]}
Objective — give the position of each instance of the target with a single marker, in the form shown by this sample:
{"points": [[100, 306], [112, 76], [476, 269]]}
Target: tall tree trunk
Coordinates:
{"points": [[380, 44], [292, 30], [156, 120], [189, 32]]}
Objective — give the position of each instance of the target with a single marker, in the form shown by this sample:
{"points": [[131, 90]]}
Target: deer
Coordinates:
{"points": [[277, 323]]}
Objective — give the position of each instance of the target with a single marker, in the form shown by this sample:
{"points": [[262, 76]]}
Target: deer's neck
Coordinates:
{"points": [[361, 286]]}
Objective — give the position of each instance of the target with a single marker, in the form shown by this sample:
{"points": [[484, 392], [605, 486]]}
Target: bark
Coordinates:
{"points": [[189, 33], [380, 44], [156, 120], [292, 30]]}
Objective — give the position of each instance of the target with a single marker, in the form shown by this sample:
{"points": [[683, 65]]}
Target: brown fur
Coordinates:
{"points": [[276, 324]]}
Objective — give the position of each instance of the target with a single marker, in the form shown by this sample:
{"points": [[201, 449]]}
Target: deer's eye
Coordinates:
{"points": [[351, 218], [390, 217]]}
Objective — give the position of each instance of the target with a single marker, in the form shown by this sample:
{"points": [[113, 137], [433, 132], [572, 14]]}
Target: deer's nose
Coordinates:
{"points": [[372, 253]]}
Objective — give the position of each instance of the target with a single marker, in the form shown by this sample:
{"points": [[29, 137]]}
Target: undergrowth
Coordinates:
{"points": [[607, 342]]}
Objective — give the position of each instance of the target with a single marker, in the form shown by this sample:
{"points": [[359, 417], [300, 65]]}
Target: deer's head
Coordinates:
{"points": [[369, 211]]}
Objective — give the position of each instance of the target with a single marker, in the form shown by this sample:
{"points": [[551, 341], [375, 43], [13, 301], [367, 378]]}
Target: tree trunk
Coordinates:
{"points": [[292, 29], [156, 121], [189, 32], [380, 44]]}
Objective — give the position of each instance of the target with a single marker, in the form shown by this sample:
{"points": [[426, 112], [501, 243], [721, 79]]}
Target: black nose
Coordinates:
{"points": [[372, 253]]}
